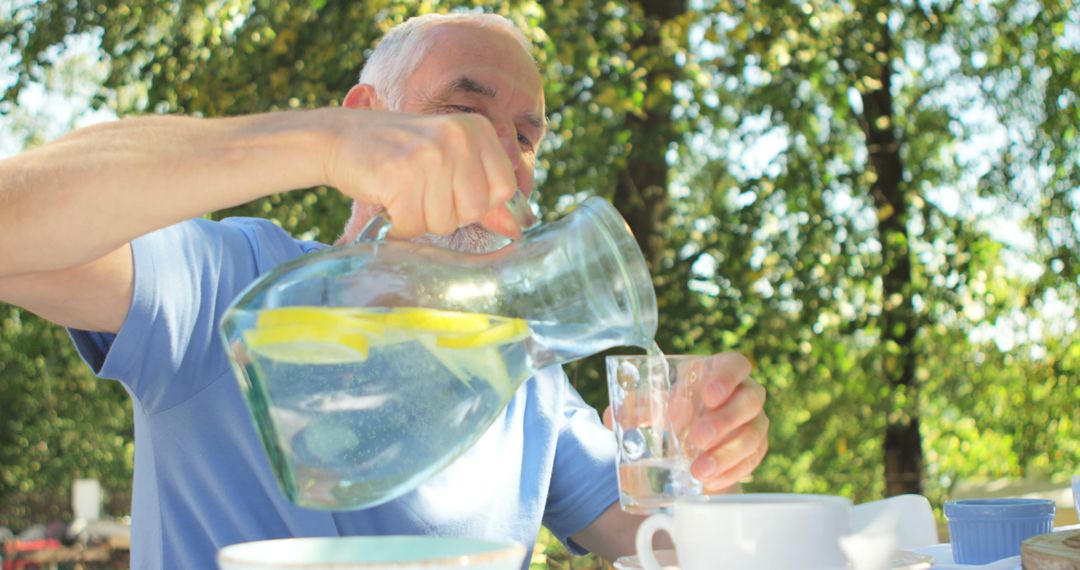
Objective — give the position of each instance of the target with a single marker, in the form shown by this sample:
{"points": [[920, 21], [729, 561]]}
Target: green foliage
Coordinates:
{"points": [[775, 236], [550, 554], [57, 423]]}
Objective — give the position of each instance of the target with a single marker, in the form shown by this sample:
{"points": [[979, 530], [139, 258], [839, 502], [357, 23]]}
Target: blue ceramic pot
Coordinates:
{"points": [[985, 530]]}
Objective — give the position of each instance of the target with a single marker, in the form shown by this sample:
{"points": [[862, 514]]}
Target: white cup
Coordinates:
{"points": [[752, 532]]}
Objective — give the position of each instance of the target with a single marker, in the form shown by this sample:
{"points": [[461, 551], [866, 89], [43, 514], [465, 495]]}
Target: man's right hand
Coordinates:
{"points": [[432, 173]]}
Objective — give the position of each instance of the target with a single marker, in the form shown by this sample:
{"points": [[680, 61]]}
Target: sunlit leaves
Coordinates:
{"points": [[772, 239]]}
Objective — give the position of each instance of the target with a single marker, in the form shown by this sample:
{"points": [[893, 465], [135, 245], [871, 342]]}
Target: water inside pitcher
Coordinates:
{"points": [[369, 368]]}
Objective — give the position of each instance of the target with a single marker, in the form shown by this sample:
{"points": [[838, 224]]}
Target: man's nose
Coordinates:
{"points": [[508, 138], [522, 170]]}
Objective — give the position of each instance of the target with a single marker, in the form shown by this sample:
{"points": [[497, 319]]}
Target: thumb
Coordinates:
{"points": [[501, 221]]}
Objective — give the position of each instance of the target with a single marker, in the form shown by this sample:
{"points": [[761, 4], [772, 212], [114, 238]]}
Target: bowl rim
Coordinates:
{"points": [[1018, 507], [500, 550]]}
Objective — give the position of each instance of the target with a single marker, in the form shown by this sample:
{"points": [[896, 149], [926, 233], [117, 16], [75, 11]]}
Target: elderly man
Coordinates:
{"points": [[99, 232]]}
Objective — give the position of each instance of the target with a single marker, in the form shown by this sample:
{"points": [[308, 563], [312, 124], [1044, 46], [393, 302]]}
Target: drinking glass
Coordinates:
{"points": [[654, 398]]}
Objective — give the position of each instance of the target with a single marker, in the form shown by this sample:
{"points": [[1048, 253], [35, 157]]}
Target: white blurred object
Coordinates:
{"points": [[1076, 494], [874, 541], [883, 527], [86, 499], [667, 559], [385, 552], [912, 516]]}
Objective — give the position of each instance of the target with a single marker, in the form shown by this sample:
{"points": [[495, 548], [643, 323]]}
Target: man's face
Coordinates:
{"points": [[475, 70]]}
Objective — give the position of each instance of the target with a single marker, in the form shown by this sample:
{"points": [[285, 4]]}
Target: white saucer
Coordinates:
{"points": [[666, 558], [902, 560], [943, 559]]}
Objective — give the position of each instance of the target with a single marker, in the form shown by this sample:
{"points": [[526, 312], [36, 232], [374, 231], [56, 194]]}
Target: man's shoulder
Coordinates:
{"points": [[261, 231], [266, 242]]}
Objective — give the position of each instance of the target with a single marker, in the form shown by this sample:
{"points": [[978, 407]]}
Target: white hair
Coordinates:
{"points": [[402, 49]]}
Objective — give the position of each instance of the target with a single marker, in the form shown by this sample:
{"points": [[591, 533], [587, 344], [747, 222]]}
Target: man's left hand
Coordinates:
{"points": [[729, 434]]}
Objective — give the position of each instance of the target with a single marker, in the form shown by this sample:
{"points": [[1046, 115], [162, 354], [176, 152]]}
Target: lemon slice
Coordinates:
{"points": [[435, 320], [485, 364], [511, 330], [308, 344], [329, 317]]}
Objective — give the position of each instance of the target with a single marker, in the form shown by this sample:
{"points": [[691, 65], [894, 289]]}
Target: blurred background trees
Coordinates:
{"points": [[879, 201]]}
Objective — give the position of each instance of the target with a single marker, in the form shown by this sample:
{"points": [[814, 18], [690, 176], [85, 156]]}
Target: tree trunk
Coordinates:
{"points": [[903, 456], [641, 188]]}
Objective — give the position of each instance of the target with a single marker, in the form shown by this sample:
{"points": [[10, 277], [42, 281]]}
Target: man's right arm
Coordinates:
{"points": [[69, 209], [88, 194]]}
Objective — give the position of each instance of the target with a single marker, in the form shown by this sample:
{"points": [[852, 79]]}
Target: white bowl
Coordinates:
{"points": [[372, 553]]}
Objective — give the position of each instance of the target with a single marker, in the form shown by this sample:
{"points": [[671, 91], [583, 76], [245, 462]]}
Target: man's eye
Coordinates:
{"points": [[460, 109], [524, 141]]}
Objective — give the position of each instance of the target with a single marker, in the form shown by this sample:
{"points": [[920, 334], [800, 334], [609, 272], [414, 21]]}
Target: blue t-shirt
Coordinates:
{"points": [[202, 480]]}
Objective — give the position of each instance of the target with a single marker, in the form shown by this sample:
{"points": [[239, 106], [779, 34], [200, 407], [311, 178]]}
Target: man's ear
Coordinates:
{"points": [[362, 96]]}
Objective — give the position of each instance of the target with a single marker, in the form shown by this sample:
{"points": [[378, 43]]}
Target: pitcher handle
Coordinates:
{"points": [[522, 208], [375, 230]]}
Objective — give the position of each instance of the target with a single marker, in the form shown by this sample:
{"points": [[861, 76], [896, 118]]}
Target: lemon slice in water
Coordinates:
{"points": [[327, 317], [484, 364], [434, 320], [510, 330], [475, 355], [308, 344], [341, 335]]}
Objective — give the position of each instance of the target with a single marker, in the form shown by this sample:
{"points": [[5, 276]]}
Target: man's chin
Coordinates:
{"points": [[469, 239]]}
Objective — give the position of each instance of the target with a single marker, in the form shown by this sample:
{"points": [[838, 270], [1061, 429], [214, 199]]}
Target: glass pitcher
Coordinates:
{"points": [[368, 368]]}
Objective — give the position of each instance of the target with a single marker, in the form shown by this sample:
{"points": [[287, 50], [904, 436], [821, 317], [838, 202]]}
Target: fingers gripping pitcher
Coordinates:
{"points": [[369, 368]]}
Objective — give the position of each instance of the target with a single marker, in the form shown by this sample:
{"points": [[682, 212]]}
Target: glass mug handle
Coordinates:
{"points": [[643, 540], [523, 209]]}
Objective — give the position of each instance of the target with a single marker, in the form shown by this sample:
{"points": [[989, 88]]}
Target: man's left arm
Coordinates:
{"points": [[612, 534], [729, 432]]}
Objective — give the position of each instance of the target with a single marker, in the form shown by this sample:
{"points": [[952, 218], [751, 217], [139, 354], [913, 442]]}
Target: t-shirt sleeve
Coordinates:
{"points": [[186, 275], [583, 480]]}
